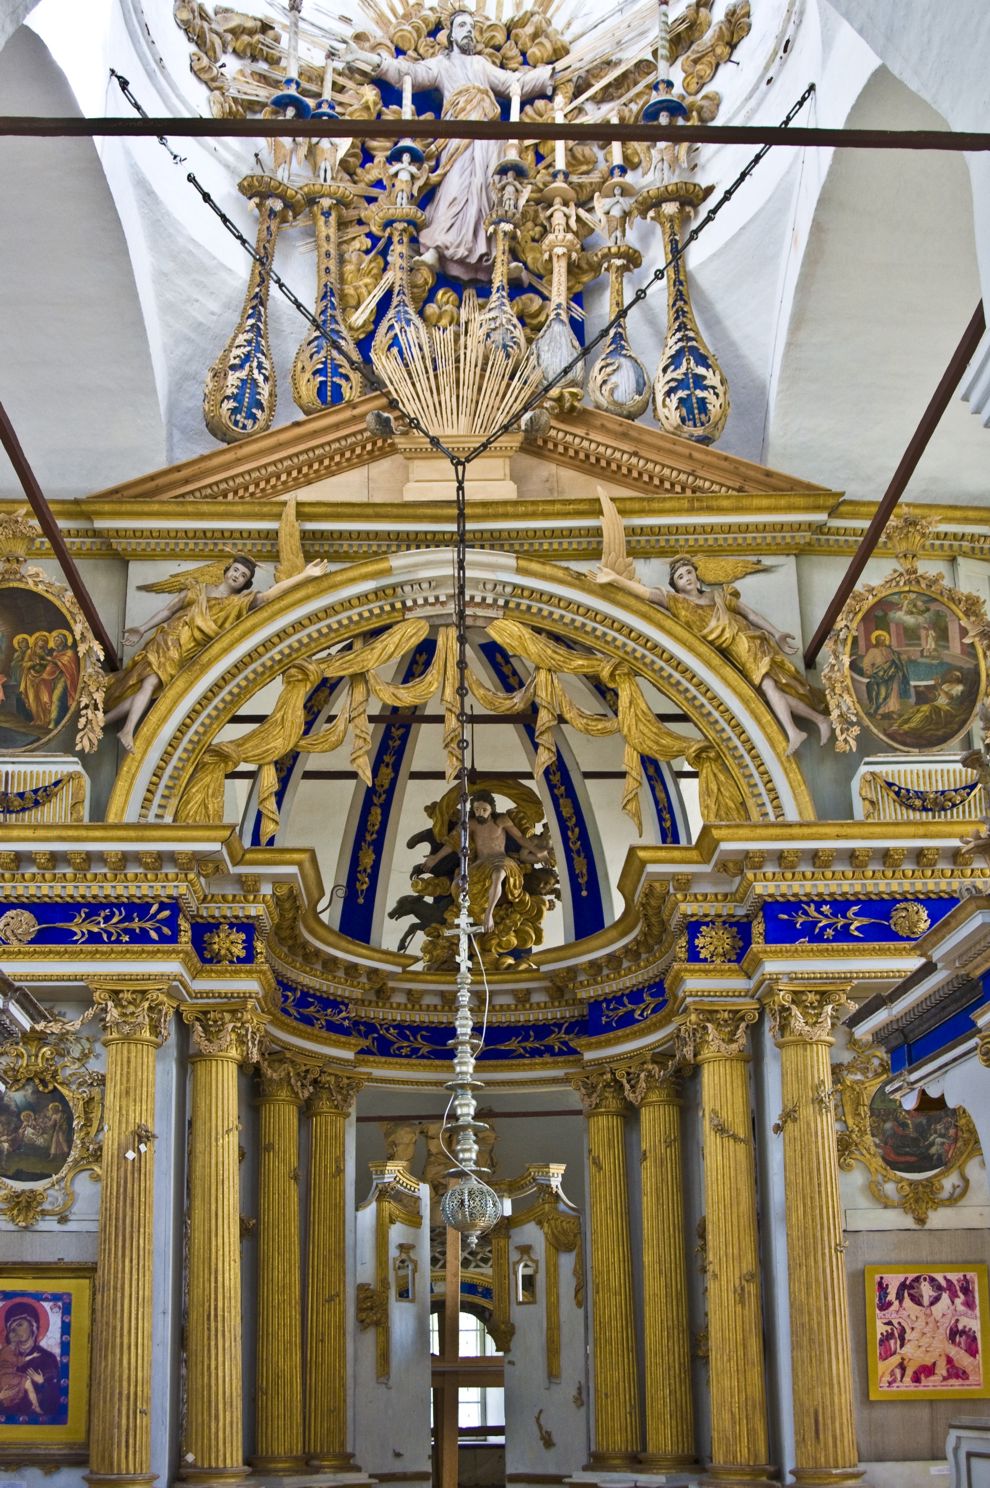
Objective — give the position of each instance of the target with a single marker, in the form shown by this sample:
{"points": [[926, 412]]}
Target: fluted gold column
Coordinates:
{"points": [[213, 1450], [715, 1039], [136, 1020], [284, 1083], [824, 1417], [617, 1430], [655, 1089], [326, 1274]]}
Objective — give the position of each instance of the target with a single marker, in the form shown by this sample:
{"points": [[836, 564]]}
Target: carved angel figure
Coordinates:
{"points": [[204, 604], [702, 598]]}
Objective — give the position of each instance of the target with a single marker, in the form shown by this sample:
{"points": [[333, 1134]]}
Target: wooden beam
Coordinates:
{"points": [[793, 136], [49, 526], [951, 378]]}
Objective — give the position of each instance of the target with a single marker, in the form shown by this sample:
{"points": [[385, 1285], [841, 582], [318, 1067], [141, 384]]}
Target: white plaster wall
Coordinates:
{"points": [[392, 1417]]}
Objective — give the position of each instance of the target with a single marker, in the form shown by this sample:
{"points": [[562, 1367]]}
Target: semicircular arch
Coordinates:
{"points": [[323, 613]]}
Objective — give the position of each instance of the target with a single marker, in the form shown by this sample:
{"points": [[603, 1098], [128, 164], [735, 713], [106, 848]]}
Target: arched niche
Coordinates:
{"points": [[312, 619]]}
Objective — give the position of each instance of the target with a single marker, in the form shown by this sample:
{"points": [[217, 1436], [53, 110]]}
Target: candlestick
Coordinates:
{"points": [[407, 108], [292, 59], [616, 144], [663, 43], [560, 146], [514, 98], [328, 77]]}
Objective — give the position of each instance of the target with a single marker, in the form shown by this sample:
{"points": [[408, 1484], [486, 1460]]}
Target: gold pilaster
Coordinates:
{"points": [[284, 1084], [326, 1274], [136, 1020], [213, 1450], [715, 1039], [617, 1428], [824, 1416], [655, 1089]]}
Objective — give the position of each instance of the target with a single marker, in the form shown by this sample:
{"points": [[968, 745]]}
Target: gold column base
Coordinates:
{"points": [[214, 1475], [121, 1480], [333, 1462], [823, 1475], [611, 1462], [278, 1464], [741, 1475], [658, 1462]]}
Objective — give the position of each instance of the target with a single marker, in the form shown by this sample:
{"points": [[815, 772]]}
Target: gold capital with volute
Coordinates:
{"points": [[617, 1427], [136, 1018], [801, 1020]]}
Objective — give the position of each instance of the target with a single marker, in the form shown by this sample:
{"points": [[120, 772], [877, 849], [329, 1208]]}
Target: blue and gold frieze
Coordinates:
{"points": [[123, 923], [625, 1009], [358, 909], [847, 922], [524, 1040], [223, 943], [722, 941]]}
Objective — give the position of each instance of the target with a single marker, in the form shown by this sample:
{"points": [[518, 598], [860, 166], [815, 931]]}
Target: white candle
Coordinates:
{"points": [[663, 47], [616, 144], [292, 60], [514, 97], [560, 146], [407, 108], [328, 76]]}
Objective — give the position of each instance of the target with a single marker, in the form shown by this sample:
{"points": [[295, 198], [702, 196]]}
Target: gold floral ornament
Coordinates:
{"points": [[55, 670], [224, 945], [916, 1160], [717, 942], [50, 1113], [910, 919], [907, 656]]}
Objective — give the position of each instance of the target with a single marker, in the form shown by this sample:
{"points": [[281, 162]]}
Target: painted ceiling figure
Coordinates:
{"points": [[455, 239], [701, 598]]}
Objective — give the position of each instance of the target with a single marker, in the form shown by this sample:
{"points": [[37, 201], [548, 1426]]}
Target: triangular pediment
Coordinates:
{"points": [[316, 450]]}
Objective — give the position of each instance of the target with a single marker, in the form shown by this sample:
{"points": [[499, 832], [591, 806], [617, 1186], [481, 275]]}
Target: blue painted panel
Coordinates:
{"points": [[364, 871], [718, 940], [851, 922], [956, 1026], [118, 923], [579, 858]]}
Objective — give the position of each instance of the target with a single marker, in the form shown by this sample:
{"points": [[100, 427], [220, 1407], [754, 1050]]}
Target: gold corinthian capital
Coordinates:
{"points": [[600, 1091], [806, 1013], [133, 1010], [714, 1032], [231, 1032]]}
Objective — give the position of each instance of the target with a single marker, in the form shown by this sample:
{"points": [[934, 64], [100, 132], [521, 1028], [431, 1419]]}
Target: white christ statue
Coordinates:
{"points": [[454, 238]]}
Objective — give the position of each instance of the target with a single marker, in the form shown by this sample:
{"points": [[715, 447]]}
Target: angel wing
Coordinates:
{"points": [[190, 578], [729, 570], [291, 559], [614, 539]]}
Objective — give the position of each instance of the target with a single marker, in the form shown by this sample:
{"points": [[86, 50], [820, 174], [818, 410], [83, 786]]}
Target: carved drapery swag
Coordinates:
{"points": [[202, 799]]}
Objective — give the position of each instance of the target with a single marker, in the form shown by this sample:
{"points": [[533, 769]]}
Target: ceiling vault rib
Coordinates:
{"points": [[49, 526], [951, 378]]}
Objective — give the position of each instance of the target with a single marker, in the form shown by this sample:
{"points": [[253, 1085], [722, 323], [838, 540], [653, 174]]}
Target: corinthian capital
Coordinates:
{"points": [[134, 1010], [654, 1083], [334, 1091], [600, 1091], [284, 1077], [226, 1032], [806, 1013], [714, 1032]]}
